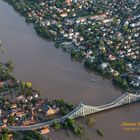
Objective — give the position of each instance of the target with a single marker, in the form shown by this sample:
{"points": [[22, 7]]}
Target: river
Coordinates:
{"points": [[58, 77]]}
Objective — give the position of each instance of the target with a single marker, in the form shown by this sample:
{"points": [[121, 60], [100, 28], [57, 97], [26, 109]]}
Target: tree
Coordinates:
{"points": [[11, 120], [4, 131], [3, 50], [117, 80], [5, 137], [29, 84], [101, 44], [90, 121], [125, 84], [70, 122], [27, 138], [10, 65], [57, 126], [5, 134], [99, 132], [49, 138]]}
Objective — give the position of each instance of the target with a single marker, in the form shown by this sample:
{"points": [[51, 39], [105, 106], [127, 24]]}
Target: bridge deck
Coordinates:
{"points": [[82, 110]]}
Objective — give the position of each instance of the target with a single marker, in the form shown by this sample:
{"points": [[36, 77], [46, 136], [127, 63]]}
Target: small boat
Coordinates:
{"points": [[93, 80]]}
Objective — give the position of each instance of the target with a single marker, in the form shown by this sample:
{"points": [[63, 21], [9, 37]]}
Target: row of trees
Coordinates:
{"points": [[65, 108], [71, 125]]}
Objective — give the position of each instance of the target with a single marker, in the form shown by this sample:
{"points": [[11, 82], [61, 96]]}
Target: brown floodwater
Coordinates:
{"points": [[57, 76]]}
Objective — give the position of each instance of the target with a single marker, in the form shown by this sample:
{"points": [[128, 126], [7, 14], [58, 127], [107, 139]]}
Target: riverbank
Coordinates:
{"points": [[42, 57], [22, 105], [99, 57], [64, 75]]}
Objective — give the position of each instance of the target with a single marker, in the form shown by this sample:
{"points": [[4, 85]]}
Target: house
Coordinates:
{"points": [[20, 97], [68, 2], [48, 110], [44, 131], [29, 97], [104, 65], [2, 83], [116, 73], [0, 112], [91, 58], [20, 114], [35, 95], [111, 57], [4, 120], [12, 114], [3, 126], [63, 14], [10, 136], [98, 17], [14, 106], [39, 103], [1, 123], [0, 128], [10, 82], [26, 123]]}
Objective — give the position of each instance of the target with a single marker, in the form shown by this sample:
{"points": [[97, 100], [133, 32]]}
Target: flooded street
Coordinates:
{"points": [[57, 76]]}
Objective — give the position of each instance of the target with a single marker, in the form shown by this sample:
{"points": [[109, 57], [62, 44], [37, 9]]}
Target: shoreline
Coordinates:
{"points": [[116, 78], [22, 98], [114, 117]]}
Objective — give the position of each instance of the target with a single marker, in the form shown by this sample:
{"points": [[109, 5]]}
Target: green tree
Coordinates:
{"points": [[99, 132], [49, 138], [90, 121], [5, 137], [57, 126], [10, 65], [125, 84], [11, 120]]}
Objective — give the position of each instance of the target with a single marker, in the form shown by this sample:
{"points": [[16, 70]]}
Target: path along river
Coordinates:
{"points": [[57, 76]]}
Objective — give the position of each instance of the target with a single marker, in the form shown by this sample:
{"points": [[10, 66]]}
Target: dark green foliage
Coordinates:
{"points": [[99, 132], [65, 108], [90, 121]]}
